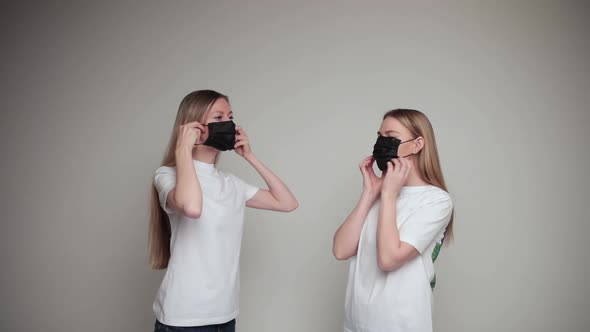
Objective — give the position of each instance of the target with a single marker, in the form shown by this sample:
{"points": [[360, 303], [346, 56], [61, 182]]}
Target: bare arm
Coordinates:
{"points": [[391, 252], [186, 196], [278, 197], [346, 238]]}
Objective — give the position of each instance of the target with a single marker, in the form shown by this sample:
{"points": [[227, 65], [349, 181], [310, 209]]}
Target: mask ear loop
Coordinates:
{"points": [[415, 138], [204, 125], [411, 154]]}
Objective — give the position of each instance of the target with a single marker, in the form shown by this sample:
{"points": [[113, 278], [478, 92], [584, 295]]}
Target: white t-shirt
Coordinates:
{"points": [[201, 285], [401, 300]]}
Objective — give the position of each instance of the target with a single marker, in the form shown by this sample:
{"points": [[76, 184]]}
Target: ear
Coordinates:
{"points": [[418, 144]]}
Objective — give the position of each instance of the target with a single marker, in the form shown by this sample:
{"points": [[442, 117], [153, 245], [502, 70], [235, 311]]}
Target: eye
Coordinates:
{"points": [[231, 117], [219, 117]]}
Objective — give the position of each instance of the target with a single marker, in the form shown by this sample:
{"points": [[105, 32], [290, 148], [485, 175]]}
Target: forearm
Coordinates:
{"points": [[388, 239], [281, 193], [188, 195], [346, 238]]}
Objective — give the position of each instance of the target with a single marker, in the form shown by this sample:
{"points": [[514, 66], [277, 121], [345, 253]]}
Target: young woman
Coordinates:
{"points": [[396, 229], [197, 216]]}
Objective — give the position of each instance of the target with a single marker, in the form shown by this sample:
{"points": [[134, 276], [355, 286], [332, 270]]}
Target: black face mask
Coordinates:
{"points": [[222, 135], [385, 149]]}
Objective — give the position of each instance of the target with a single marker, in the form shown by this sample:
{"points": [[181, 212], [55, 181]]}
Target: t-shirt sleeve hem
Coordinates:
{"points": [[250, 192], [414, 243], [163, 195]]}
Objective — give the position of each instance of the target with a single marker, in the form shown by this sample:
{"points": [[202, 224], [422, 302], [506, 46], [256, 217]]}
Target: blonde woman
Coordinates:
{"points": [[197, 217], [396, 230]]}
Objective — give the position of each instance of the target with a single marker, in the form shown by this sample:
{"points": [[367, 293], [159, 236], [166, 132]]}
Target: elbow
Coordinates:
{"points": [[387, 263], [292, 207], [289, 207], [192, 212], [189, 207], [340, 256], [339, 253]]}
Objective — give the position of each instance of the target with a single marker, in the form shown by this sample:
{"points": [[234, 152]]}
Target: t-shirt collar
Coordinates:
{"points": [[203, 167], [413, 189]]}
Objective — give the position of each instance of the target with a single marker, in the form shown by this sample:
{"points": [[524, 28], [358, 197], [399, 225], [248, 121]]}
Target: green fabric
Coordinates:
{"points": [[435, 253]]}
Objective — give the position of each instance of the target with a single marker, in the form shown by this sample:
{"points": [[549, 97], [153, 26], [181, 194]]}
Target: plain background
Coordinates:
{"points": [[89, 95]]}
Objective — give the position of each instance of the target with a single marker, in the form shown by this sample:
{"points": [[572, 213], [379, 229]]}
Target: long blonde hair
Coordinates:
{"points": [[428, 161], [193, 107]]}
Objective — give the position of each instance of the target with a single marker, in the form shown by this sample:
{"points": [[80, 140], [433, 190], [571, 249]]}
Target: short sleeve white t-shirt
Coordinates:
{"points": [[401, 300], [201, 285]]}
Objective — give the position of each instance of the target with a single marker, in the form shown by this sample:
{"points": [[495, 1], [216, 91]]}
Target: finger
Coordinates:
{"points": [[241, 138], [204, 129], [240, 146], [364, 172], [399, 169], [194, 124], [405, 162], [408, 168], [390, 167], [396, 164], [371, 172], [364, 168], [365, 159], [242, 141], [402, 166], [240, 130], [192, 130]]}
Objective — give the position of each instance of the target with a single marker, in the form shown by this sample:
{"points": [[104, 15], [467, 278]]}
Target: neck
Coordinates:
{"points": [[205, 154], [414, 179]]}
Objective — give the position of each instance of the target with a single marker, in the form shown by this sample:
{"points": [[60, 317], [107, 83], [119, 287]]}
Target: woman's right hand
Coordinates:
{"points": [[188, 135], [371, 182]]}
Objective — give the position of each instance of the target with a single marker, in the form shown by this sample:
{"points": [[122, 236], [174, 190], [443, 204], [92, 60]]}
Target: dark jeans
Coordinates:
{"points": [[226, 327]]}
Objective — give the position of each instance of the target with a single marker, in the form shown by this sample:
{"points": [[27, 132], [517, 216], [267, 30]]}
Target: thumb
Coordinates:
{"points": [[364, 170], [389, 166]]}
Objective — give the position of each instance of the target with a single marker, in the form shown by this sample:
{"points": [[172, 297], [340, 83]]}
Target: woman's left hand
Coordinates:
{"points": [[396, 176], [242, 146]]}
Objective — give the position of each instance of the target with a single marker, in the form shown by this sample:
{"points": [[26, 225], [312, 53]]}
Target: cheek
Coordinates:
{"points": [[404, 149]]}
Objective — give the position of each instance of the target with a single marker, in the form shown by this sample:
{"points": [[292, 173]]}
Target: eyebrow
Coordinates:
{"points": [[230, 112], [389, 131]]}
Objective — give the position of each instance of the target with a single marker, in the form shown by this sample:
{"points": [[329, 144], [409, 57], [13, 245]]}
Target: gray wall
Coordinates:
{"points": [[88, 99]]}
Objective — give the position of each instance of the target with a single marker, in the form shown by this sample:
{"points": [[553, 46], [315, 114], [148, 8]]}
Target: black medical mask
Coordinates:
{"points": [[222, 135], [385, 149]]}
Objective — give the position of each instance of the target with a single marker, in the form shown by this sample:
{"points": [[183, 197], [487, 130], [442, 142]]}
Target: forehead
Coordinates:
{"points": [[220, 106], [392, 124]]}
